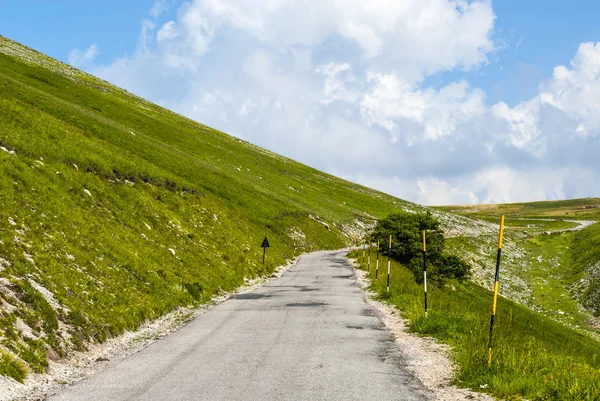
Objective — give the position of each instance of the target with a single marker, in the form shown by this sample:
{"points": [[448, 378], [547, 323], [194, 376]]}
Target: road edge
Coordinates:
{"points": [[427, 359], [80, 365]]}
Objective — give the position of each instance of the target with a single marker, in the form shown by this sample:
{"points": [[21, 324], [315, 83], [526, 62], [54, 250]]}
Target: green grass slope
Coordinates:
{"points": [[115, 211], [585, 267]]}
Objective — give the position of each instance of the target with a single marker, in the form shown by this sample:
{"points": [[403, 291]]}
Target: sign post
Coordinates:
{"points": [[495, 298], [264, 246]]}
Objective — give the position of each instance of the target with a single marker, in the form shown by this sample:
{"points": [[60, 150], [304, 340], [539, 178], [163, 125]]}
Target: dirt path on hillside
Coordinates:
{"points": [[581, 224]]}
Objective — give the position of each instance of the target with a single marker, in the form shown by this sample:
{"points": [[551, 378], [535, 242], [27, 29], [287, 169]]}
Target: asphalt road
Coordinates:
{"points": [[309, 335]]}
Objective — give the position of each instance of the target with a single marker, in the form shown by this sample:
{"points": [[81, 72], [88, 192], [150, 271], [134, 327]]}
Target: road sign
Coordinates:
{"points": [[264, 246]]}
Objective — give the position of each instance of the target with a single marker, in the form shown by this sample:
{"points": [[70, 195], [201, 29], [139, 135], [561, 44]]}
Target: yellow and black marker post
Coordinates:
{"points": [[389, 264], [425, 272], [377, 261], [495, 298]]}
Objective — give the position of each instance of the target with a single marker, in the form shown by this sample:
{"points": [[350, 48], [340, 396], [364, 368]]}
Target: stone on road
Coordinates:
{"points": [[309, 335]]}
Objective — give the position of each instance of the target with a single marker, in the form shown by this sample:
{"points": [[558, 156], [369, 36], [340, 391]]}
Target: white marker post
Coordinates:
{"points": [[364, 246], [369, 258], [377, 261], [389, 264], [425, 271]]}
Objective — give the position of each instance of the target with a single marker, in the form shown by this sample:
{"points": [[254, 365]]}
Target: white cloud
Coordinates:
{"points": [[424, 36], [433, 191], [334, 87], [439, 113], [341, 86], [504, 185], [522, 120], [571, 96], [167, 32], [159, 7], [78, 58], [576, 91]]}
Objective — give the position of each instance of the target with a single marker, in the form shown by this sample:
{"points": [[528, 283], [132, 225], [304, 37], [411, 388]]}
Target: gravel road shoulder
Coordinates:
{"points": [[427, 359]]}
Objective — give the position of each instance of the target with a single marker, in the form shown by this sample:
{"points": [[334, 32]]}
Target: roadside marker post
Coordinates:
{"points": [[495, 298], [369, 259], [425, 271], [377, 262], [364, 246], [264, 246], [389, 264]]}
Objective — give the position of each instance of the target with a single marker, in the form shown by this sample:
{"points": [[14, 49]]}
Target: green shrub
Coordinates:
{"points": [[406, 230], [11, 367]]}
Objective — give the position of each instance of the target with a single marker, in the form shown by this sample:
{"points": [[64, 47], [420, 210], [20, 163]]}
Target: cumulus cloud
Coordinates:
{"points": [[439, 113], [334, 88], [342, 86], [564, 117], [79, 58], [159, 7]]}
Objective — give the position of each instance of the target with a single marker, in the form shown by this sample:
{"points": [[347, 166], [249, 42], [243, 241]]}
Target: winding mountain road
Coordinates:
{"points": [[309, 335], [581, 224]]}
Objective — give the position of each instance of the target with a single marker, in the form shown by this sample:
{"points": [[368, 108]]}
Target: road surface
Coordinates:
{"points": [[581, 224], [309, 335]]}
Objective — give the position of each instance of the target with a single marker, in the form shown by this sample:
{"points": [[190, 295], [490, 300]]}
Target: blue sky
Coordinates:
{"points": [[484, 108], [537, 35]]}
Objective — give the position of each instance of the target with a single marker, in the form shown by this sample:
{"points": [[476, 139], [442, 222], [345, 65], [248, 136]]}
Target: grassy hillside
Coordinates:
{"points": [[585, 267], [116, 211]]}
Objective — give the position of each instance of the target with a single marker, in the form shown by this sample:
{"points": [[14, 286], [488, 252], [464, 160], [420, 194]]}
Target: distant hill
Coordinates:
{"points": [[585, 208]]}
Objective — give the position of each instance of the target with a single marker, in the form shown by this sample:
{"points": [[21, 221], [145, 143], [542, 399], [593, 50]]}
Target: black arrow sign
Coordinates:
{"points": [[264, 246], [265, 243]]}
